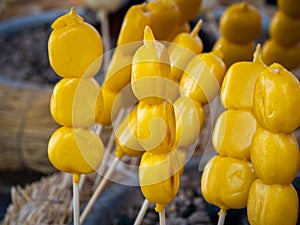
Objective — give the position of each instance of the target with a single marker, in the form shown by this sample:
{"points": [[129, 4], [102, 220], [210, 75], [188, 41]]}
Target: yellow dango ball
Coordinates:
{"points": [[202, 77], [165, 17], [285, 30], [189, 9], [126, 139], [111, 105], [132, 29], [275, 157], [272, 204], [273, 52], [189, 116], [240, 23], [182, 49], [290, 7], [239, 81], [226, 181], [118, 73], [74, 102], [156, 127], [75, 150], [233, 133], [74, 47], [159, 178], [180, 28], [277, 100], [151, 79], [234, 52]]}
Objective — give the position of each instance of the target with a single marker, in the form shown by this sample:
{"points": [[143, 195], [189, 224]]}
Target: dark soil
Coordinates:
{"points": [[24, 57]]}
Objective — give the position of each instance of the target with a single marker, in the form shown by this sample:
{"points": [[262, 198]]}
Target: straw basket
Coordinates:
{"points": [[25, 126]]}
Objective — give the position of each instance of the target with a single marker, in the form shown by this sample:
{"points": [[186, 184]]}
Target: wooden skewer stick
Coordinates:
{"points": [[103, 18], [197, 28], [98, 191], [109, 148], [142, 213], [222, 215], [76, 210], [162, 217]]}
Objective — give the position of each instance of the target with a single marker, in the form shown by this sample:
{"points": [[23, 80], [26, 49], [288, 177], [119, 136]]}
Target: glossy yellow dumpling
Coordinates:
{"points": [[165, 17], [277, 99], [240, 23], [75, 150], [111, 105], [285, 29], [226, 181], [76, 102], [239, 81], [118, 73], [132, 29], [272, 204], [275, 157], [233, 133], [287, 56], [74, 47], [202, 78], [159, 178], [126, 139], [234, 52], [189, 116], [182, 49], [156, 127], [189, 9], [151, 79]]}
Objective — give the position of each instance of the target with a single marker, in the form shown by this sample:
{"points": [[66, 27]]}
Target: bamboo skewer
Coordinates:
{"points": [[109, 148], [98, 191], [142, 213], [103, 18], [162, 217], [76, 210], [222, 216]]}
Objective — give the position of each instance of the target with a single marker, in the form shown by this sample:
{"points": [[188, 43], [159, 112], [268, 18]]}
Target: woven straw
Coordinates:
{"points": [[25, 126]]}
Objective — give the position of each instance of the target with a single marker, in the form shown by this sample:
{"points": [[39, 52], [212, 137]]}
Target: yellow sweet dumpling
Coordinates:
{"points": [[159, 178], [287, 56], [156, 127], [277, 100], [234, 52], [74, 102], [134, 22], [189, 116], [126, 137], [202, 77], [240, 23], [226, 181], [182, 49], [151, 72], [180, 28], [118, 73], [74, 47], [111, 102], [289, 7], [75, 150], [233, 133], [239, 81], [281, 25], [165, 17], [272, 204], [275, 157], [189, 9]]}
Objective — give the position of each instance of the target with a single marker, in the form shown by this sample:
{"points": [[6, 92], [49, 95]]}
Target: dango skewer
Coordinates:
{"points": [[126, 143], [76, 116]]}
